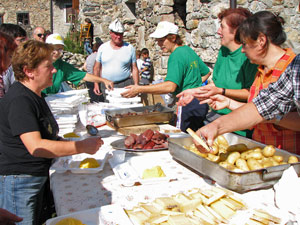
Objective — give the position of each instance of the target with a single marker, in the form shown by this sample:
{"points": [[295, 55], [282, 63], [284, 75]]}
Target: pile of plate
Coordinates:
{"points": [[64, 106], [115, 97]]}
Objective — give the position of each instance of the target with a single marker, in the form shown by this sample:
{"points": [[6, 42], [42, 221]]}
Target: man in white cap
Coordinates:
{"points": [[66, 71], [185, 70], [116, 60]]}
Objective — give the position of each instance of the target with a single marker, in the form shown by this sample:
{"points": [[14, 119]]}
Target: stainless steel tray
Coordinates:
{"points": [[237, 181], [152, 114]]}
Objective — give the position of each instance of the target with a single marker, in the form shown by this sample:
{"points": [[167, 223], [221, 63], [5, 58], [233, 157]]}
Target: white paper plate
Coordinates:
{"points": [[131, 170], [124, 100], [110, 214], [71, 163]]}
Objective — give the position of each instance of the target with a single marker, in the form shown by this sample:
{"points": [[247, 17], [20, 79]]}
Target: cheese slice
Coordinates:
{"points": [[178, 220]]}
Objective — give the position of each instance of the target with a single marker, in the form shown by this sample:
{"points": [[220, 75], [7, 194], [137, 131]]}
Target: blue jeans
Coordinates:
{"points": [[87, 47], [23, 196]]}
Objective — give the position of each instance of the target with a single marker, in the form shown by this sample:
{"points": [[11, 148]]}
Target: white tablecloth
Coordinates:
{"points": [[76, 192]]}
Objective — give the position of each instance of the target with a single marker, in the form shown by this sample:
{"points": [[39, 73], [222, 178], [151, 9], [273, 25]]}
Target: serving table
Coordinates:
{"points": [[75, 192]]}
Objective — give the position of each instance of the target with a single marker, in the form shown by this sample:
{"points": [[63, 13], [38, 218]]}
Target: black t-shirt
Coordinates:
{"points": [[22, 111]]}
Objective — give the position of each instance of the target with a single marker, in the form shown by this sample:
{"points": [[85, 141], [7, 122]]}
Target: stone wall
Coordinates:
{"points": [[197, 20], [59, 17], [39, 12]]}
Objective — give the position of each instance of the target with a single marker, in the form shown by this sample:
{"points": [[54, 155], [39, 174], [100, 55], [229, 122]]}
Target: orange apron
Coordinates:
{"points": [[269, 133]]}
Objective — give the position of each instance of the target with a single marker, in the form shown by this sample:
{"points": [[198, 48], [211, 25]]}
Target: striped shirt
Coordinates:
{"points": [[147, 63]]}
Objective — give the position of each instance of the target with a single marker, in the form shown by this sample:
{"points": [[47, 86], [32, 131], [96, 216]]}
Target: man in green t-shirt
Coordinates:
{"points": [[66, 71], [185, 70]]}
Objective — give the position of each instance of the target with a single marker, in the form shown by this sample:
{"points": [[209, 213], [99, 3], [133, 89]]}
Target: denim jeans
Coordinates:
{"points": [[87, 47], [23, 196]]}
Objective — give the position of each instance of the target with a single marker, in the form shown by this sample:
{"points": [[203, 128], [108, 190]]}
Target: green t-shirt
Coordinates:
{"points": [[185, 68], [65, 72], [233, 70]]}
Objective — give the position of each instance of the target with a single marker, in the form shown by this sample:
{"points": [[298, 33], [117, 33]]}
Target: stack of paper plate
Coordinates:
{"points": [[64, 106], [115, 96]]}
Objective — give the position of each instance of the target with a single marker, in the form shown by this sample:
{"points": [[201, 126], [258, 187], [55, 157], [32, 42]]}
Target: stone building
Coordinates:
{"points": [[53, 15], [197, 20]]}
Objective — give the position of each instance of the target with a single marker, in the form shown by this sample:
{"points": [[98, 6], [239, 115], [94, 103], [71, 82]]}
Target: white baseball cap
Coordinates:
{"points": [[55, 39], [163, 29], [116, 26]]}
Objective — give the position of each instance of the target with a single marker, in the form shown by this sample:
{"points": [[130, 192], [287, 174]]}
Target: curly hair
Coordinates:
{"points": [[30, 53]]}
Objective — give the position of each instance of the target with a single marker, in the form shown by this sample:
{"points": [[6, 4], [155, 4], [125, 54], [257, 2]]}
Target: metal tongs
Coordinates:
{"points": [[200, 139]]}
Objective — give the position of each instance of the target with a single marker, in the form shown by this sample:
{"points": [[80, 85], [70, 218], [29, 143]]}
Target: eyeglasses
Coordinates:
{"points": [[40, 35], [60, 50]]}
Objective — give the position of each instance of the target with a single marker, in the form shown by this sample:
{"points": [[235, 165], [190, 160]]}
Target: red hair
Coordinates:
{"points": [[234, 17], [7, 44]]}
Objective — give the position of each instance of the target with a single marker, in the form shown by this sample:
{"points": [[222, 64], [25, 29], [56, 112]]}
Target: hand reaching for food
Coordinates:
{"points": [[217, 102]]}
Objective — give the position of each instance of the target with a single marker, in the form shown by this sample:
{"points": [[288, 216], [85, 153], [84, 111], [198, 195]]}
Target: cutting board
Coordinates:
{"points": [[135, 129]]}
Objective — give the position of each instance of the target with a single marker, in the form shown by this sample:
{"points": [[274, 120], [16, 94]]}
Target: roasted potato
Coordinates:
{"points": [[255, 154], [293, 159], [266, 162], [222, 142], [232, 157], [278, 158], [227, 165], [242, 164], [268, 151], [215, 148], [275, 163], [253, 164], [213, 158]]}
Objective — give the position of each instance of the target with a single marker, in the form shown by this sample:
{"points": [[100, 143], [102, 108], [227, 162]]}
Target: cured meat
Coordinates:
{"points": [[146, 140], [130, 140], [149, 145], [148, 134]]}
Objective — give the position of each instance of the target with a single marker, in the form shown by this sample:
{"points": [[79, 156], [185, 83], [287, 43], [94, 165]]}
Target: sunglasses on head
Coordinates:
{"points": [[40, 35]]}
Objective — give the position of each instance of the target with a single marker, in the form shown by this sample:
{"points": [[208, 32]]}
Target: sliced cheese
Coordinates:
{"points": [[222, 209]]}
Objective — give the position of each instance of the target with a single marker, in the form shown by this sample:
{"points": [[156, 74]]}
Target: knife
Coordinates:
{"points": [[200, 139]]}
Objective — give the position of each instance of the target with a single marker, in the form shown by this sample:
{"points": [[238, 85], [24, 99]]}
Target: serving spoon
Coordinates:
{"points": [[92, 130]]}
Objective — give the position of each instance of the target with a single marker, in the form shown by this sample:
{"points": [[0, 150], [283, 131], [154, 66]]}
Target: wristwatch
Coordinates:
{"points": [[223, 91]]}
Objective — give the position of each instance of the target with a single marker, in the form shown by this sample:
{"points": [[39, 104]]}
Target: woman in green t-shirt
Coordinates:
{"points": [[185, 70], [233, 73]]}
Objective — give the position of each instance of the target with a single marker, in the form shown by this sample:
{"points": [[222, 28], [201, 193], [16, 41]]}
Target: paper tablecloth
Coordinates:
{"points": [[76, 192]]}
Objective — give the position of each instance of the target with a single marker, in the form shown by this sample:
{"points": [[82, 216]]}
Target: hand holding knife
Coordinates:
{"points": [[200, 139]]}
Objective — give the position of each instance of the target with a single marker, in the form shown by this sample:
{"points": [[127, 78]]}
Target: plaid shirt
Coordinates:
{"points": [[280, 98]]}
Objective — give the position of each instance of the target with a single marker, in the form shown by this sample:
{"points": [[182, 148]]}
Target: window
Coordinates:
{"points": [[23, 18], [70, 13], [130, 8]]}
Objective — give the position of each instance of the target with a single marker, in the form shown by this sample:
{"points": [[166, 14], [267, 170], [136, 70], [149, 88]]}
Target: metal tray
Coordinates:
{"points": [[156, 114], [119, 145], [237, 181]]}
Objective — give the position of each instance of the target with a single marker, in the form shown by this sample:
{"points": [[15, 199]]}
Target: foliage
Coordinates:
{"points": [[72, 42]]}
